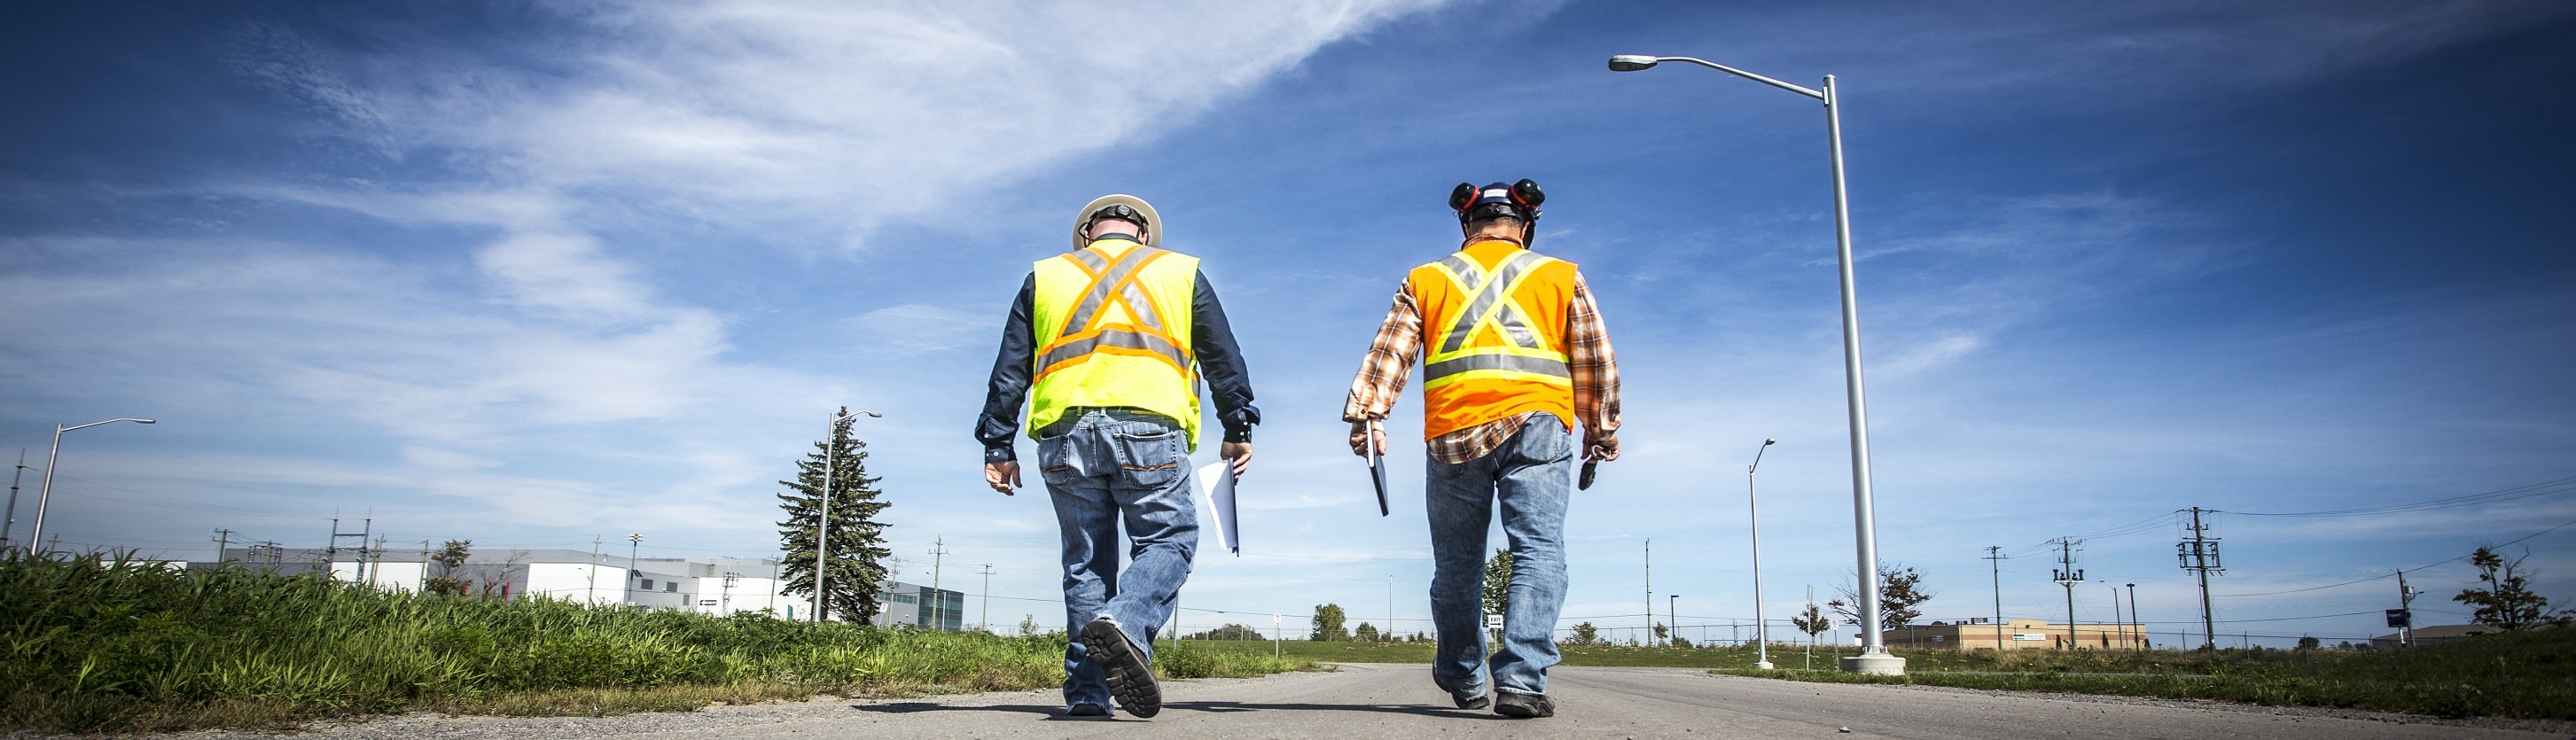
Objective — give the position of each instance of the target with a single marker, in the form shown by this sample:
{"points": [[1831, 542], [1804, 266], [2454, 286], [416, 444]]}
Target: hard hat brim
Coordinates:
{"points": [[1153, 221]]}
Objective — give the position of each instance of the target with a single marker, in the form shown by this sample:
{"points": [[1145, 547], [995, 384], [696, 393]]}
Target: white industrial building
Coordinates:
{"points": [[716, 586]]}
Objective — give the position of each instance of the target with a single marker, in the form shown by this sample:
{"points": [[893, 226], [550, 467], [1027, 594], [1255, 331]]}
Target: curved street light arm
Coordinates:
{"points": [[1819, 95]]}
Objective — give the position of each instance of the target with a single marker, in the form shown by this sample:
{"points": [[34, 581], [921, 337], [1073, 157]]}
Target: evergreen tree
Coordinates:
{"points": [[1584, 634], [856, 568], [1498, 581]]}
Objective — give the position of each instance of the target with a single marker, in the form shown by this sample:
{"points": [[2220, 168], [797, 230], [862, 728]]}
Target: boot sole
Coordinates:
{"points": [[1131, 682]]}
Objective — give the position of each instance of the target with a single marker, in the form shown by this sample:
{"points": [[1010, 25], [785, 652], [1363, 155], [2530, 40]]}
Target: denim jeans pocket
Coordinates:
{"points": [[1543, 440], [1149, 455], [1055, 460]]}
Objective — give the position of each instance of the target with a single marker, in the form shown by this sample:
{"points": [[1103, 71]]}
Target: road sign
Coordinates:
{"points": [[706, 602], [2400, 618], [1493, 621]]}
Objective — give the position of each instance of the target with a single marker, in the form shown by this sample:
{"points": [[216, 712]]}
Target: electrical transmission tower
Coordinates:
{"points": [[331, 554], [2199, 554], [2068, 575]]}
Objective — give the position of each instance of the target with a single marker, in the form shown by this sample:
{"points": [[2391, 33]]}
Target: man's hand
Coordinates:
{"points": [[1240, 453], [1002, 476], [1362, 434], [1602, 447]]}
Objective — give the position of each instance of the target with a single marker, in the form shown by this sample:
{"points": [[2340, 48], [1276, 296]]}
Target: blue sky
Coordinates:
{"points": [[531, 273]]}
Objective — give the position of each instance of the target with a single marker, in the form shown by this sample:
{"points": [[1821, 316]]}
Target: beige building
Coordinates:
{"points": [[2015, 634]]}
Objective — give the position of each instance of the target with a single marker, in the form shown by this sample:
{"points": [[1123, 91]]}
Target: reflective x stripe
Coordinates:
{"points": [[1515, 363], [1489, 291], [1104, 282]]}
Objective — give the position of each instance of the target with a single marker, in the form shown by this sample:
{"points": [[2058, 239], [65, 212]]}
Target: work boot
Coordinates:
{"points": [[1471, 701], [1526, 706], [1131, 681], [1087, 710]]}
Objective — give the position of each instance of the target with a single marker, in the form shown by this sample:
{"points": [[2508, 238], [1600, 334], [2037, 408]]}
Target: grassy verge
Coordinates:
{"points": [[1598, 655], [114, 647], [2530, 675]]}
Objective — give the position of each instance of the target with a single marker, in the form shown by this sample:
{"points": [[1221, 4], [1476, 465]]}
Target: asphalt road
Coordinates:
{"points": [[1398, 701]]}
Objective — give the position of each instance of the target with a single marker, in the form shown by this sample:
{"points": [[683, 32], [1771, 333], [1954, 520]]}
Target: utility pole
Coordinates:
{"points": [[938, 553], [2200, 555], [12, 526], [2405, 610], [1388, 634], [593, 598], [223, 539], [331, 552], [987, 622], [635, 542], [423, 585], [1650, 590], [377, 559], [1994, 568], [2138, 627], [2068, 576]]}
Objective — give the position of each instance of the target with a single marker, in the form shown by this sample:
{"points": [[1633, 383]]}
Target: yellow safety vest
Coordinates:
{"points": [[1493, 335], [1113, 329]]}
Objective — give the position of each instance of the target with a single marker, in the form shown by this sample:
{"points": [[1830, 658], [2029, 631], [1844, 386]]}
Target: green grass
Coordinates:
{"points": [[2529, 675], [117, 647]]}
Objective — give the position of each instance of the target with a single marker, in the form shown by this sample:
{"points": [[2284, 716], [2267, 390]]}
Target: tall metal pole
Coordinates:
{"points": [[823, 519], [36, 536], [939, 553], [1753, 503], [987, 621], [1650, 590], [1672, 617], [1864, 509]]}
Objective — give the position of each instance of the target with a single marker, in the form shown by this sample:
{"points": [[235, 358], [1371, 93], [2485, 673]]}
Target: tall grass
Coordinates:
{"points": [[124, 646]]}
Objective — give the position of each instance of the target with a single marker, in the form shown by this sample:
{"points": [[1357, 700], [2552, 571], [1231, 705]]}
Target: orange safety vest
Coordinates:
{"points": [[1493, 336]]}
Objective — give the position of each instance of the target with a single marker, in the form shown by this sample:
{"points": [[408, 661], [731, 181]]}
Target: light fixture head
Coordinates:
{"points": [[1770, 442], [145, 421], [1631, 62]]}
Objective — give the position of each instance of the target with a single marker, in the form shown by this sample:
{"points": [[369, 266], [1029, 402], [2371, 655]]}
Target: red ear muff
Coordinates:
{"points": [[1462, 196], [1527, 194]]}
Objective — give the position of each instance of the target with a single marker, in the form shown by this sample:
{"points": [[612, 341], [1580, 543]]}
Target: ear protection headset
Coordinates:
{"points": [[1519, 200]]}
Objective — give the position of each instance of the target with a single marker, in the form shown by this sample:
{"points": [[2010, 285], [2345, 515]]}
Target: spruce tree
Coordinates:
{"points": [[857, 564]]}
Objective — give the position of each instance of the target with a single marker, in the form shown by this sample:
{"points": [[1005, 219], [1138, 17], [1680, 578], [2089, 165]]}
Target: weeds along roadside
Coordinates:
{"points": [[117, 645], [2522, 675]]}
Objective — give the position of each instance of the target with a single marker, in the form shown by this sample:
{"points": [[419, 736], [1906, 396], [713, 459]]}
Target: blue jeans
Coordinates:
{"points": [[1104, 467], [1530, 474]]}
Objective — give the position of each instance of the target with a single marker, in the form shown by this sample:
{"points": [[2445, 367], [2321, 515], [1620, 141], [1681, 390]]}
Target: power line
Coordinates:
{"points": [[2561, 525], [2543, 488]]}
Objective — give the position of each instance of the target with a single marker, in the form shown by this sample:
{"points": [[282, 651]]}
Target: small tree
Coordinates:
{"points": [[1028, 625], [1585, 634], [2507, 602], [1812, 621], [1366, 632], [1230, 632], [1900, 590], [1328, 624], [2309, 643], [449, 558], [1498, 582]]}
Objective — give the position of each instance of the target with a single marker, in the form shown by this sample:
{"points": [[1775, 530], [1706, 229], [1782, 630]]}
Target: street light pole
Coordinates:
{"points": [[1672, 618], [823, 518], [1873, 658], [36, 537], [1753, 502]]}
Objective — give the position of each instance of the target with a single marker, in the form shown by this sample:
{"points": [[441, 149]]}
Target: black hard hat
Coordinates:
{"points": [[1519, 200]]}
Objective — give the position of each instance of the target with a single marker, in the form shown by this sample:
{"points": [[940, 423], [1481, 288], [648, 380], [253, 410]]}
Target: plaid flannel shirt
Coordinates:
{"points": [[1399, 342]]}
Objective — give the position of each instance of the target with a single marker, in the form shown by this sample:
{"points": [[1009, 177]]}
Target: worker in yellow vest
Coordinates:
{"points": [[1513, 354], [1108, 344]]}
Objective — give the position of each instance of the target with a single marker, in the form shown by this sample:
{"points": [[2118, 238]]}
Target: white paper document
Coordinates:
{"points": [[1216, 499]]}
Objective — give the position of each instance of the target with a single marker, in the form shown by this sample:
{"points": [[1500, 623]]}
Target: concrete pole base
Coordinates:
{"points": [[1763, 666], [1874, 664]]}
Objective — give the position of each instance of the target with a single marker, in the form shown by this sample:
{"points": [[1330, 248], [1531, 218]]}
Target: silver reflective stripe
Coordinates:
{"points": [[1488, 291], [1099, 292], [1115, 338], [1091, 259], [1144, 311], [1518, 363]]}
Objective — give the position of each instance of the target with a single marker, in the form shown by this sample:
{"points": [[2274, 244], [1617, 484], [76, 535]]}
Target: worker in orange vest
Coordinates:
{"points": [[1513, 354]]}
